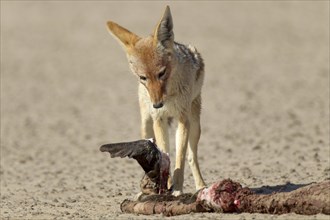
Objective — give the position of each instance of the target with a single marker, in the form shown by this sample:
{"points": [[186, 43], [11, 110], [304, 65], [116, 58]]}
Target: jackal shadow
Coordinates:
{"points": [[288, 187]]}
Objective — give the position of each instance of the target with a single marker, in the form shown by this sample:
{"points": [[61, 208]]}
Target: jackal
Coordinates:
{"points": [[171, 77]]}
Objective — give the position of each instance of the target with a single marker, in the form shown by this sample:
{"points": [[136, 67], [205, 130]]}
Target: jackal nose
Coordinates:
{"points": [[158, 105]]}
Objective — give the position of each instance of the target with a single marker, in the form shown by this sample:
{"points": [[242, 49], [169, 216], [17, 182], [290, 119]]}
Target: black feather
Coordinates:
{"points": [[144, 152]]}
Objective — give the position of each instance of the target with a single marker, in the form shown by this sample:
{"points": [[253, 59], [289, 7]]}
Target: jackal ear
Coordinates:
{"points": [[163, 34], [124, 36]]}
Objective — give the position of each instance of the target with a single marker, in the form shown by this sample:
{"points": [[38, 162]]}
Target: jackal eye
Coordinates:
{"points": [[143, 78], [161, 74]]}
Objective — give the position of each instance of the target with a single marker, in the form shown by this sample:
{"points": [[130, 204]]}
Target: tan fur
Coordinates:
{"points": [[171, 77]]}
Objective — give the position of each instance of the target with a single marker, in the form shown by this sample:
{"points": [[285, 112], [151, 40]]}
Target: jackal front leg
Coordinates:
{"points": [[160, 126], [147, 126], [182, 135], [146, 121], [161, 134]]}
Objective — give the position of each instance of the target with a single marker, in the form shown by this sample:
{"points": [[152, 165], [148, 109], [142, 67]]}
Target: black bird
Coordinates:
{"points": [[154, 162]]}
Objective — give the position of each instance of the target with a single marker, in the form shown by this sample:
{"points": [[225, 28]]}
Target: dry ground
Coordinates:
{"points": [[66, 89]]}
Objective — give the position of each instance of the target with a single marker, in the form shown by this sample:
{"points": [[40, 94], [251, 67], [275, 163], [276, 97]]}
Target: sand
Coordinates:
{"points": [[66, 89]]}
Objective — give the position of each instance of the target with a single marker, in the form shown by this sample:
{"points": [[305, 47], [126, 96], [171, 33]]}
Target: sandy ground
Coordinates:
{"points": [[66, 89]]}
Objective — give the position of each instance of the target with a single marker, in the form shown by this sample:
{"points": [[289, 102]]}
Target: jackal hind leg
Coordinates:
{"points": [[195, 131]]}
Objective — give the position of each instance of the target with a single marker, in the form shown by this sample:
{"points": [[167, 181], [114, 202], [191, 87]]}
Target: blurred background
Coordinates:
{"points": [[66, 89]]}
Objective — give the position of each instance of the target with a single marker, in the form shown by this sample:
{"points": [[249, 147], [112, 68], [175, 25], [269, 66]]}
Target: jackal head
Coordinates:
{"points": [[150, 57]]}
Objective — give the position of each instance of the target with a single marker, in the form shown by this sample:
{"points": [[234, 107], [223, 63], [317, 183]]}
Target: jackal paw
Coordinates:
{"points": [[200, 187], [177, 192], [138, 196]]}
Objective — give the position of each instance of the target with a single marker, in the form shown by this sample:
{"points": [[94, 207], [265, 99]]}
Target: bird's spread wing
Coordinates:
{"points": [[144, 151]]}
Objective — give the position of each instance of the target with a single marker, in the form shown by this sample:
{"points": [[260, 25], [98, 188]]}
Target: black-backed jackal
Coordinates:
{"points": [[171, 77]]}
